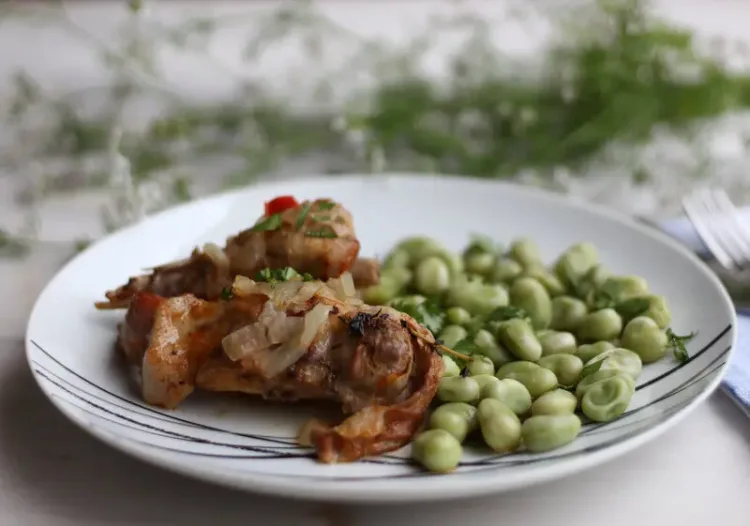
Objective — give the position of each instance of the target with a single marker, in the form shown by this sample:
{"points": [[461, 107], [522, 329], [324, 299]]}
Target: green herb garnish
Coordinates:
{"points": [[326, 233], [677, 344], [226, 293], [506, 313], [303, 214], [428, 313], [326, 205], [268, 224], [278, 275], [591, 368]]}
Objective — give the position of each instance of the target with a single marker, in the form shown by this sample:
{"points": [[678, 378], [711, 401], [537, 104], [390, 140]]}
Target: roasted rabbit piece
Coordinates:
{"points": [[300, 340], [315, 237]]}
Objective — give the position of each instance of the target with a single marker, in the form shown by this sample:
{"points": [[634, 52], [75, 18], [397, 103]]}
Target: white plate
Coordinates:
{"points": [[245, 443]]}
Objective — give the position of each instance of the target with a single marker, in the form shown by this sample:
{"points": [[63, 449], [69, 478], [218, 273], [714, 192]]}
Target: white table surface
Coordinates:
{"points": [[53, 473]]}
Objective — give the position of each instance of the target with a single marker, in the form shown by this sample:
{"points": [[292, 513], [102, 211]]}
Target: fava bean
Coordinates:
{"points": [[536, 379], [476, 297], [458, 389], [546, 432], [432, 276], [380, 294], [549, 281], [607, 399], [575, 262], [501, 428], [518, 337], [624, 287], [525, 252], [485, 381], [457, 316], [506, 270], [456, 418], [450, 367], [510, 392], [480, 365], [555, 402], [554, 342], [589, 350], [643, 336], [488, 346], [656, 309], [437, 450], [567, 313], [585, 384], [617, 359], [529, 295], [567, 367], [452, 334], [604, 324], [396, 259], [479, 263]]}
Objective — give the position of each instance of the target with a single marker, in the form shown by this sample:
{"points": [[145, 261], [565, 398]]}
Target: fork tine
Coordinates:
{"points": [[698, 214], [723, 226], [736, 227]]}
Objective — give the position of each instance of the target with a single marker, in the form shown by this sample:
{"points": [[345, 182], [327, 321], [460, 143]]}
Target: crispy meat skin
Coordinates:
{"points": [[379, 365], [207, 272]]}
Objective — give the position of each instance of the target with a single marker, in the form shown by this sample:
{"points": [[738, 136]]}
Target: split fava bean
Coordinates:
{"points": [[617, 359], [536, 379], [586, 383], [607, 399], [501, 428]]}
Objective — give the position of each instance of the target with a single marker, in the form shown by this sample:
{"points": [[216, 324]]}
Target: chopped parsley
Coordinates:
{"points": [[677, 344], [226, 293], [303, 214], [268, 224], [279, 275], [506, 313], [428, 313], [591, 368], [326, 205], [326, 233]]}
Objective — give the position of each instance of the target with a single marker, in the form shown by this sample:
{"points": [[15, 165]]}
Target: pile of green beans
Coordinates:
{"points": [[549, 345]]}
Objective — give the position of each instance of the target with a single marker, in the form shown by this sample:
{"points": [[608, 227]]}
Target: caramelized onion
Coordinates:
{"points": [[245, 341], [216, 254], [343, 286]]}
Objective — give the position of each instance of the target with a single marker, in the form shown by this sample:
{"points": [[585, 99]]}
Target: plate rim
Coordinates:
{"points": [[356, 490]]}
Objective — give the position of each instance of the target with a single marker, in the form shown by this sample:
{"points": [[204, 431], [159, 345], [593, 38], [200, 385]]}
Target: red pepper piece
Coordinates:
{"points": [[279, 204]]}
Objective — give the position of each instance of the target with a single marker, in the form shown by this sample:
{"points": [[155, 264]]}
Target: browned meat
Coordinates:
{"points": [[316, 237], [366, 272], [297, 340]]}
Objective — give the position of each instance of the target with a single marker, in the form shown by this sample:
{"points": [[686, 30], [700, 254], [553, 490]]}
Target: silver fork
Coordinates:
{"points": [[720, 226]]}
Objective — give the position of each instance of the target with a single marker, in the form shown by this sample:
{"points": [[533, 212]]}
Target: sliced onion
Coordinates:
{"points": [[343, 286], [314, 321], [216, 254], [244, 287], [245, 341]]}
